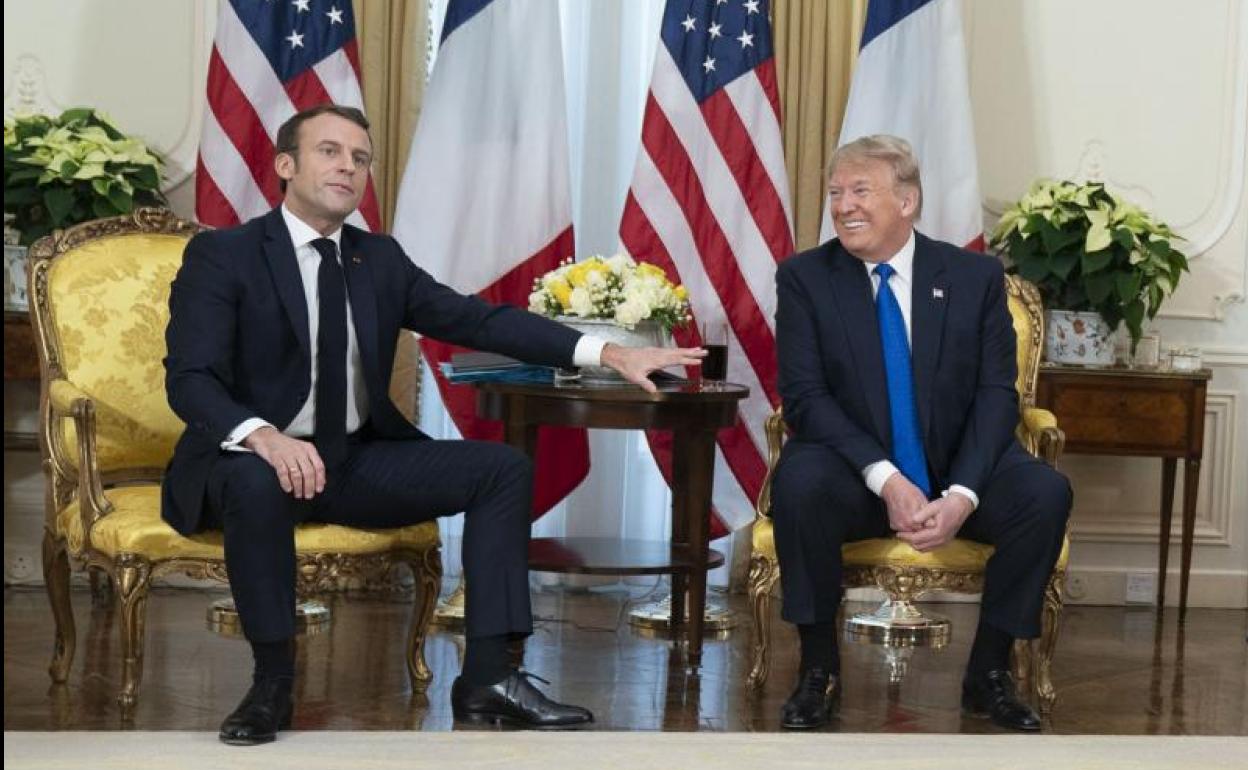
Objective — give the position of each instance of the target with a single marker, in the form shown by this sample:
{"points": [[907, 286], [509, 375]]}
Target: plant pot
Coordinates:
{"points": [[1078, 338], [645, 334], [15, 278]]}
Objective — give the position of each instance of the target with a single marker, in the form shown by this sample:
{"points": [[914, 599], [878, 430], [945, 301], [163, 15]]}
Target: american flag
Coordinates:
{"points": [[270, 59], [709, 204]]}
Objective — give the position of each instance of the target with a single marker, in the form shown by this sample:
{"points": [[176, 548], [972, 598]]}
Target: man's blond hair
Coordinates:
{"points": [[893, 150]]}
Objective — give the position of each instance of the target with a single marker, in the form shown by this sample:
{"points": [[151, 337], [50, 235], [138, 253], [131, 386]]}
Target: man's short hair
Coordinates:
{"points": [[893, 150], [288, 133]]}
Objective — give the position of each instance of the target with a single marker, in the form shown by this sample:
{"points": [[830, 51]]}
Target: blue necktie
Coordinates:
{"points": [[331, 357], [907, 445]]}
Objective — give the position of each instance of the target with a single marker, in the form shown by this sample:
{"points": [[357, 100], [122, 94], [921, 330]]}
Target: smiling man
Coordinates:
{"points": [[281, 343], [897, 372]]}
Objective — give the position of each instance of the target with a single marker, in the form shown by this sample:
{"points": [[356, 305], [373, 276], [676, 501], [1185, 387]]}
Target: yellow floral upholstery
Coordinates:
{"points": [[100, 305], [134, 526], [110, 305], [1039, 434]]}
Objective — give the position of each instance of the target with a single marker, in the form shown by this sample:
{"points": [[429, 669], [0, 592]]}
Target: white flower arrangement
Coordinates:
{"points": [[615, 289]]}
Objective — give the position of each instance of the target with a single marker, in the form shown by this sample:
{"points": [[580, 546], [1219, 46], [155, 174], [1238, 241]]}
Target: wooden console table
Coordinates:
{"points": [[1148, 413], [693, 415]]}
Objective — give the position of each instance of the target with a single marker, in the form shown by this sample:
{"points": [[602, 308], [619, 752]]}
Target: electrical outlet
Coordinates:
{"points": [[19, 567], [1141, 587], [1076, 589]]}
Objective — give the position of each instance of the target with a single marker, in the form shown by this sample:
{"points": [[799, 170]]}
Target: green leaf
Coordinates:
{"points": [[101, 208], [1124, 238], [75, 114], [147, 177], [1097, 261], [1128, 285], [59, 201], [1133, 315], [1099, 287], [1055, 240], [120, 200], [1062, 263]]}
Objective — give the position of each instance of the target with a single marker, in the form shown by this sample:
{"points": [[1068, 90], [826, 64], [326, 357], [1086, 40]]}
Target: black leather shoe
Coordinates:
{"points": [[514, 701], [993, 695], [266, 709], [812, 702]]}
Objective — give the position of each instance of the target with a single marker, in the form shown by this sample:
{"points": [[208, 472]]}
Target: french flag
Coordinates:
{"points": [[485, 204], [910, 81]]}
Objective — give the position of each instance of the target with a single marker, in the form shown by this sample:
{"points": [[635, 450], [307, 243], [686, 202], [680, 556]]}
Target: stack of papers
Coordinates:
{"points": [[492, 367]]}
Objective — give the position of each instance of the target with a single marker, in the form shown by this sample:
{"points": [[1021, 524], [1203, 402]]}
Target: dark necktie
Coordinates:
{"points": [[907, 445], [331, 357]]}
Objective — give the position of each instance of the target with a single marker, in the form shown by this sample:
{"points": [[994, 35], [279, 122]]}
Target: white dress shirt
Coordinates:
{"points": [[902, 283], [588, 351]]}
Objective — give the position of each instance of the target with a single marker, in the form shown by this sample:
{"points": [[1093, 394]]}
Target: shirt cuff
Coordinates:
{"points": [[965, 492], [588, 351], [876, 474], [234, 441]]}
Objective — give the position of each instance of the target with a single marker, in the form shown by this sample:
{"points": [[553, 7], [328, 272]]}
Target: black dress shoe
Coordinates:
{"points": [[993, 695], [812, 702], [514, 701], [265, 710]]}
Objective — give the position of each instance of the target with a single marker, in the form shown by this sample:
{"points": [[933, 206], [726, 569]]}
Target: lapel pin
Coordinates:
{"points": [[355, 258], [938, 293]]}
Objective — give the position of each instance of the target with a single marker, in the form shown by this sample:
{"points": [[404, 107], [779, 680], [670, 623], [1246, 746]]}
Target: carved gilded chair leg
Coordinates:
{"points": [[1050, 625], [427, 572], [763, 575], [56, 580], [132, 576]]}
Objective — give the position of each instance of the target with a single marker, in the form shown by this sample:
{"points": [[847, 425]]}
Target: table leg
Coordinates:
{"points": [[698, 448], [680, 536], [1167, 511], [1191, 478]]}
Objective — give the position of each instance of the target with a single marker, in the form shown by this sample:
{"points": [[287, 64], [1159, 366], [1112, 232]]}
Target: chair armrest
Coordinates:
{"points": [[1043, 437], [68, 401]]}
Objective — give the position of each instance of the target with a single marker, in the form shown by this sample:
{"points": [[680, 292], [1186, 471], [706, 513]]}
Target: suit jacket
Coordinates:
{"points": [[238, 339], [832, 378]]}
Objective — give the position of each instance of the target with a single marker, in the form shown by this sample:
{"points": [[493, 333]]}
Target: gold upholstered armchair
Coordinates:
{"points": [[903, 573], [100, 302]]}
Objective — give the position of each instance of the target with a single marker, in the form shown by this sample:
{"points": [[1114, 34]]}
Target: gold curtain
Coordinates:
{"points": [[393, 40], [816, 46]]}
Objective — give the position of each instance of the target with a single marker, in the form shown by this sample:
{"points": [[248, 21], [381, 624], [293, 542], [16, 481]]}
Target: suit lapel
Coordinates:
{"points": [[279, 253], [363, 297], [852, 289], [927, 322]]}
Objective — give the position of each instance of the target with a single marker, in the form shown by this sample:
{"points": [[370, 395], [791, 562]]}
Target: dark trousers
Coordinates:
{"points": [[382, 484], [819, 503]]}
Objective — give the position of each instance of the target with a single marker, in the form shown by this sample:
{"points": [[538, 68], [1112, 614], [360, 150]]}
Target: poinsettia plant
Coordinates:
{"points": [[1087, 249], [73, 167]]}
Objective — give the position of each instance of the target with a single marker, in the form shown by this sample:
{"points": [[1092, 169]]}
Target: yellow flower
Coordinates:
{"points": [[682, 293], [562, 291]]}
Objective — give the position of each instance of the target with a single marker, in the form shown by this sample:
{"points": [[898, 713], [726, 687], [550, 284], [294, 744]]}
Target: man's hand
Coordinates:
{"points": [[941, 519], [904, 501], [634, 364], [299, 468]]}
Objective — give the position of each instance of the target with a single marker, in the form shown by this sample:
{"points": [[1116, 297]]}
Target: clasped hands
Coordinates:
{"points": [[924, 524]]}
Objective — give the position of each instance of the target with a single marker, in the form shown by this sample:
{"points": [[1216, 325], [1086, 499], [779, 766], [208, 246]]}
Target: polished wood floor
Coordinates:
{"points": [[1118, 671]]}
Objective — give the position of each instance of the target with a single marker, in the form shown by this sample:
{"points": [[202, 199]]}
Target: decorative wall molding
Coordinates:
{"points": [[28, 90], [1215, 525]]}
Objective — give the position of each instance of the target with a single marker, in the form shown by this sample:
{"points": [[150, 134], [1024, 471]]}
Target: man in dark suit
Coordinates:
{"points": [[918, 444], [281, 344]]}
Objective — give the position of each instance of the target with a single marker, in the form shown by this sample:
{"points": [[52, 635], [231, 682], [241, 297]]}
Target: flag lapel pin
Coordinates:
{"points": [[938, 293]]}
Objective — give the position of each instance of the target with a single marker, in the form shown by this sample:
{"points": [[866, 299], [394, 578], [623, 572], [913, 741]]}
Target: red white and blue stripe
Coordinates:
{"points": [[709, 203], [270, 60]]}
